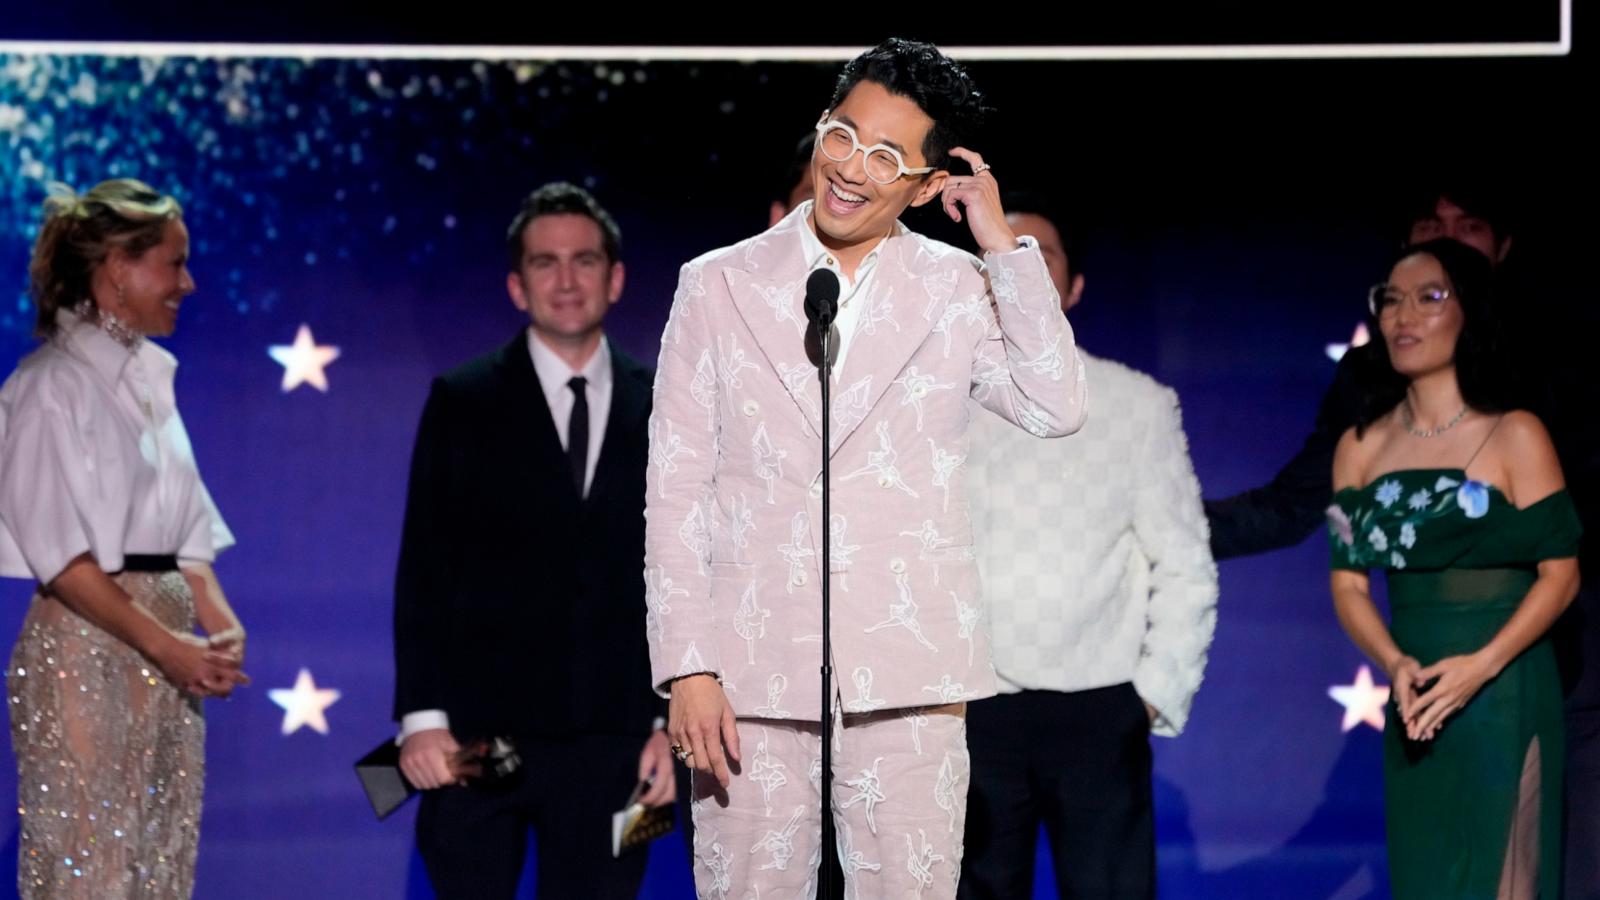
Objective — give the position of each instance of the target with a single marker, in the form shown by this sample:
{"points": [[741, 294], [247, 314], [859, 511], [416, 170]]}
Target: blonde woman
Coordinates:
{"points": [[101, 505]]}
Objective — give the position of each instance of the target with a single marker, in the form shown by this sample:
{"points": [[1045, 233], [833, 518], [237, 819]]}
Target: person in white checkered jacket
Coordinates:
{"points": [[1101, 595]]}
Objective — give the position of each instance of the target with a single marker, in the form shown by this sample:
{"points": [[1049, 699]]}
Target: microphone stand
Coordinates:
{"points": [[821, 305], [825, 336]]}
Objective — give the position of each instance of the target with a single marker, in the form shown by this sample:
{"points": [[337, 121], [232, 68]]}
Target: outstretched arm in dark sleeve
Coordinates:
{"points": [[1284, 511]]}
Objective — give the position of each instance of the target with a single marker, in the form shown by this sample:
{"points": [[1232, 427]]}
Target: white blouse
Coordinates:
{"points": [[94, 458]]}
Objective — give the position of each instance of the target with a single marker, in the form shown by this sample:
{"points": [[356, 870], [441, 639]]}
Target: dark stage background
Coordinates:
{"points": [[1236, 211]]}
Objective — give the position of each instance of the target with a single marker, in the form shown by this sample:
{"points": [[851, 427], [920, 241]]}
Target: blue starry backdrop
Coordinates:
{"points": [[348, 219]]}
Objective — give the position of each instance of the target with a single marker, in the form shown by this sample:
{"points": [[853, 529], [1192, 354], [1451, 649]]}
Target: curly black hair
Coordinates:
{"points": [[939, 86], [1485, 385]]}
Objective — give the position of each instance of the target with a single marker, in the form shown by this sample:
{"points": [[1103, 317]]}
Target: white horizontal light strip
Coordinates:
{"points": [[1560, 47], [796, 54]]}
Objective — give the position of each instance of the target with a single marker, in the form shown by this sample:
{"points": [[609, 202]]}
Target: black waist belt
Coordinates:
{"points": [[148, 562]]}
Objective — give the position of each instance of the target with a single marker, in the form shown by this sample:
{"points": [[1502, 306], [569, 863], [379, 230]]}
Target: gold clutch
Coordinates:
{"points": [[636, 824]]}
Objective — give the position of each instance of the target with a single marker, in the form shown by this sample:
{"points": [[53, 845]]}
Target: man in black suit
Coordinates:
{"points": [[521, 579]]}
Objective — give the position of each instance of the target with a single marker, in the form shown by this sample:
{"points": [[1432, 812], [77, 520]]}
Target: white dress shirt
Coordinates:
{"points": [[1093, 549], [820, 257], [554, 373], [94, 458]]}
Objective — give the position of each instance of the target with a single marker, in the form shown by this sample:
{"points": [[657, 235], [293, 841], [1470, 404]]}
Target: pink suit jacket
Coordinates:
{"points": [[733, 509]]}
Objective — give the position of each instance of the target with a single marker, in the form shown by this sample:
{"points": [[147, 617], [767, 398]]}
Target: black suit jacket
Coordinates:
{"points": [[519, 607], [1287, 509]]}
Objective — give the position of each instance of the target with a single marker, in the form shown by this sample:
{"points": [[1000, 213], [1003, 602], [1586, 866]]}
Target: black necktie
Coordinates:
{"points": [[578, 433]]}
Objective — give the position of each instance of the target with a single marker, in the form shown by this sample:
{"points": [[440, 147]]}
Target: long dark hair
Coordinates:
{"points": [[1484, 384]]}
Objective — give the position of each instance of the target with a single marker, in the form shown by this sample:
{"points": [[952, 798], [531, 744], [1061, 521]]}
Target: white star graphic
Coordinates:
{"points": [[1363, 701], [304, 704], [1336, 352], [304, 360]]}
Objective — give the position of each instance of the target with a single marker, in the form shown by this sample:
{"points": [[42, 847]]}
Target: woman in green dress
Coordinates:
{"points": [[1459, 499]]}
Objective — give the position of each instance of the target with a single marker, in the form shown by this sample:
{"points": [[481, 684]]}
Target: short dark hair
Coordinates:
{"points": [[1476, 198], [561, 198], [1485, 385], [1030, 203], [799, 168], [938, 85]]}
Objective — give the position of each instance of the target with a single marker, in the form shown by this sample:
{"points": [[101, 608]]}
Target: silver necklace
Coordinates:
{"points": [[120, 331], [1411, 423]]}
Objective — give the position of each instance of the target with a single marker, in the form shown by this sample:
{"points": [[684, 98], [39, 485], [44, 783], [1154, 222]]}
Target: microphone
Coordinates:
{"points": [[822, 304], [822, 297]]}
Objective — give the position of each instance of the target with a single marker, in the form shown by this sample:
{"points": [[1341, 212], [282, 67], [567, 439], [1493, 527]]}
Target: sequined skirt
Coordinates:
{"points": [[110, 755]]}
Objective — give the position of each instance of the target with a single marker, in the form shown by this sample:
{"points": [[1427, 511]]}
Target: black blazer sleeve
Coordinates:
{"points": [[421, 623], [1284, 511]]}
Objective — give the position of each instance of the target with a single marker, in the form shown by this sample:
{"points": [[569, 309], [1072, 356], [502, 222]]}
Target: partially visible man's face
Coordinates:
{"points": [[1069, 287], [802, 191], [1451, 221], [851, 208], [565, 284]]}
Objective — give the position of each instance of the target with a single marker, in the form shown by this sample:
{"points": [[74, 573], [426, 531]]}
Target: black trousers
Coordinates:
{"points": [[474, 842], [1080, 764]]}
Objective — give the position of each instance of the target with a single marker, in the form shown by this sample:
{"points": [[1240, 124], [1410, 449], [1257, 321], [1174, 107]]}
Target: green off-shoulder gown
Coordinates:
{"points": [[1459, 558]]}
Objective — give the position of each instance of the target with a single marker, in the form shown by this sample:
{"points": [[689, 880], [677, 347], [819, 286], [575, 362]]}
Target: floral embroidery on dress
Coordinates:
{"points": [[1378, 540], [1473, 498], [1339, 521], [1389, 526], [1389, 492]]}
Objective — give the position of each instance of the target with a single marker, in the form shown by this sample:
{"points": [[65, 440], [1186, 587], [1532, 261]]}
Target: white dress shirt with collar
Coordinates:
{"points": [[94, 458], [554, 373], [820, 257]]}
